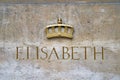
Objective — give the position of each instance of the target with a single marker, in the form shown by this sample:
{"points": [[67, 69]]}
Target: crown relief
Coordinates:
{"points": [[59, 30]]}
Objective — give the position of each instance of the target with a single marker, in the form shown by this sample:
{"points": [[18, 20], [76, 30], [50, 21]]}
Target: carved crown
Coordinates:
{"points": [[59, 30]]}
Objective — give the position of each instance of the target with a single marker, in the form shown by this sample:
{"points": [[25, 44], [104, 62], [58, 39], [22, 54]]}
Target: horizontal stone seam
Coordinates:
{"points": [[51, 3]]}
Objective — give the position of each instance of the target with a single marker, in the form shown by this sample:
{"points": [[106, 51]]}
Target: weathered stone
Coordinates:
{"points": [[54, 1], [95, 25]]}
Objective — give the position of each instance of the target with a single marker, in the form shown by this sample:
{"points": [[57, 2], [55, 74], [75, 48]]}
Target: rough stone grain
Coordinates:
{"points": [[94, 25]]}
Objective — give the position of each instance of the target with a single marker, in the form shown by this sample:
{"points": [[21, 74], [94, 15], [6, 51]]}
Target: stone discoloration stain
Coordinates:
{"points": [[94, 25]]}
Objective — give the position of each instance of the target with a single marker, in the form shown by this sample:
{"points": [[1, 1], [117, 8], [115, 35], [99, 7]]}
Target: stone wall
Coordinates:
{"points": [[96, 25], [60, 1]]}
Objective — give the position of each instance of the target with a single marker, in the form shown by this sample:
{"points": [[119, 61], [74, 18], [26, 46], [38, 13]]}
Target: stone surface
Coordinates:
{"points": [[54, 1], [23, 25]]}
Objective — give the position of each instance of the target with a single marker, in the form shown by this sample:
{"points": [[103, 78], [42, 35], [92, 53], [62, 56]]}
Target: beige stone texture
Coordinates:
{"points": [[53, 1], [95, 25]]}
